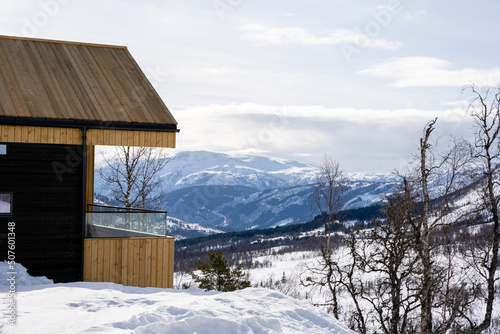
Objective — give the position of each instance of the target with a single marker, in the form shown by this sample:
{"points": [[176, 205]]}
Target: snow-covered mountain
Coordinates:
{"points": [[203, 168], [232, 193], [180, 229]]}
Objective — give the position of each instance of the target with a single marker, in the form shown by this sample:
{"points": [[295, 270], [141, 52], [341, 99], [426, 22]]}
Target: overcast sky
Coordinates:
{"points": [[297, 79]]}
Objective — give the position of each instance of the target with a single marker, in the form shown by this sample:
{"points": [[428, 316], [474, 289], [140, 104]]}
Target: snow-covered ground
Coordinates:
{"points": [[283, 272], [44, 307]]}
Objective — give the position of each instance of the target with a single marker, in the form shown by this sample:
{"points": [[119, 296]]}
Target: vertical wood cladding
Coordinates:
{"points": [[142, 262], [73, 136], [78, 81], [47, 210]]}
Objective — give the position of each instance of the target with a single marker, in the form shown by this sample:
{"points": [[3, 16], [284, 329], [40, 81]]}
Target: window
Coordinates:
{"points": [[3, 149], [6, 199]]}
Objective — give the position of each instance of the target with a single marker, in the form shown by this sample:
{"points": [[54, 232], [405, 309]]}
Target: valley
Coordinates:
{"points": [[207, 192], [269, 225]]}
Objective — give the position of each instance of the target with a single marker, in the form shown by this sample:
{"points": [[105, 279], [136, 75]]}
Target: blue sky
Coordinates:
{"points": [[296, 79]]}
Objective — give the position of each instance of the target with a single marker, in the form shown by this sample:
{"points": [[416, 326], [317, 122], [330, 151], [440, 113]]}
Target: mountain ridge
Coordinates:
{"points": [[237, 192]]}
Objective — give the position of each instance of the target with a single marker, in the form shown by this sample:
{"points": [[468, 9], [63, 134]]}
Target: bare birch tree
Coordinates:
{"points": [[328, 195], [133, 175], [485, 110], [446, 170], [388, 254]]}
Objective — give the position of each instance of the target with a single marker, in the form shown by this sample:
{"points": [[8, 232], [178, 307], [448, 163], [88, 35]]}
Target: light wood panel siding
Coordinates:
{"points": [[40, 135], [142, 262], [130, 138], [75, 81], [70, 136]]}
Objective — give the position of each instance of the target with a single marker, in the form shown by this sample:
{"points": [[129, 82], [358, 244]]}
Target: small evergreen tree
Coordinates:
{"points": [[218, 276]]}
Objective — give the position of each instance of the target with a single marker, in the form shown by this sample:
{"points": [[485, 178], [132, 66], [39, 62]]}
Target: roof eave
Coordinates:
{"points": [[70, 123]]}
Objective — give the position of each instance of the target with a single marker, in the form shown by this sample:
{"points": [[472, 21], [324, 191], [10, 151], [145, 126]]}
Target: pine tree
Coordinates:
{"points": [[216, 275]]}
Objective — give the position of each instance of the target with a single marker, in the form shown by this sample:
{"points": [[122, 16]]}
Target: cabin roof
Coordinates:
{"points": [[97, 85]]}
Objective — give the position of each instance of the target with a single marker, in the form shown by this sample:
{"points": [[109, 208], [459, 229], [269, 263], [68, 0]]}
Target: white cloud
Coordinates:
{"points": [[431, 72], [462, 104], [360, 138], [413, 16], [314, 113], [262, 35], [194, 58]]}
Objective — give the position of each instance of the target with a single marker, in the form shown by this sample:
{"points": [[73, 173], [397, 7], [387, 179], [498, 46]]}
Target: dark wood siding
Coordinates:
{"points": [[46, 181]]}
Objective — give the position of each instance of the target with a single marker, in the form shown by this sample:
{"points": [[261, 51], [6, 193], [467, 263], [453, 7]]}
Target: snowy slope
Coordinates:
{"points": [[232, 193], [195, 168], [237, 208], [204, 168], [112, 308], [180, 229], [211, 168]]}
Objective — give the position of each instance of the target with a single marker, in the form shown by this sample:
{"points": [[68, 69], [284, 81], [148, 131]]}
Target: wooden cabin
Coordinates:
{"points": [[58, 100]]}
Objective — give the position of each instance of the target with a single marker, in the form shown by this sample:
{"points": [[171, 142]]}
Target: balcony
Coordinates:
{"points": [[120, 222]]}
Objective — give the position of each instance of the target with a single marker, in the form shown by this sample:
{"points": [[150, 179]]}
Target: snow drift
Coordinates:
{"points": [[111, 308]]}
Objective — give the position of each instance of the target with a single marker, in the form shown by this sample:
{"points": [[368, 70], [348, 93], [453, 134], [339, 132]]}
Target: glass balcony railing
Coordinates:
{"points": [[109, 221]]}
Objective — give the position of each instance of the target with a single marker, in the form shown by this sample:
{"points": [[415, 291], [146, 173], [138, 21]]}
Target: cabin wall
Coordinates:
{"points": [[46, 181], [142, 262], [73, 136], [40, 135]]}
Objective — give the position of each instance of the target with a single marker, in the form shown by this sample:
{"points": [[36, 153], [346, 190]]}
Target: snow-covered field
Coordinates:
{"points": [[44, 307], [283, 273]]}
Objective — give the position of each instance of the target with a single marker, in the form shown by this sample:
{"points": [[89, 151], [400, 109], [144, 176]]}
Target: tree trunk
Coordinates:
{"points": [[493, 205], [426, 291], [487, 121]]}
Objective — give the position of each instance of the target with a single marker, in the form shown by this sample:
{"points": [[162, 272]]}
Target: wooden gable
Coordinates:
{"points": [[48, 89]]}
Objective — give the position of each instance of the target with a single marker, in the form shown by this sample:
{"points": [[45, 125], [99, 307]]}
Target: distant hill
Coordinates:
{"points": [[213, 191]]}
